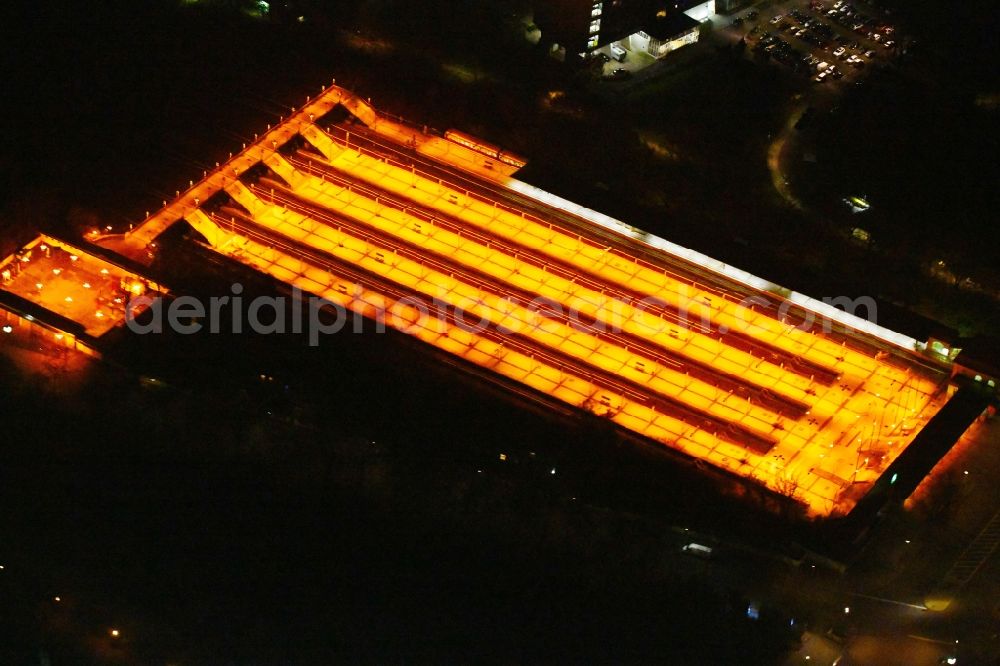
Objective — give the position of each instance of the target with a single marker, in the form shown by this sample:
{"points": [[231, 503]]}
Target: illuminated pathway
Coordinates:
{"points": [[449, 252]]}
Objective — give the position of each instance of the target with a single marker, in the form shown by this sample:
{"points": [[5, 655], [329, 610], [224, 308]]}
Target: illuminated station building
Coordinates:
{"points": [[433, 235], [636, 31], [60, 295]]}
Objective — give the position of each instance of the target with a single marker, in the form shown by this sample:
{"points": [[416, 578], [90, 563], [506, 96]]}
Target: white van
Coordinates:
{"points": [[618, 53], [698, 550]]}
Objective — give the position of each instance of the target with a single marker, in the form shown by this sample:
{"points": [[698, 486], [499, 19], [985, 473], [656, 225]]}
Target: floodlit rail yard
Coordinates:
{"points": [[438, 240], [502, 331]]}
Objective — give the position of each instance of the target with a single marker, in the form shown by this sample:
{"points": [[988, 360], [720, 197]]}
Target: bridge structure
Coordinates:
{"points": [[439, 240]]}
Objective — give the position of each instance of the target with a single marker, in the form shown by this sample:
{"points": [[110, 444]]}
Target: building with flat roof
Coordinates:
{"points": [[60, 294], [584, 26], [664, 34]]}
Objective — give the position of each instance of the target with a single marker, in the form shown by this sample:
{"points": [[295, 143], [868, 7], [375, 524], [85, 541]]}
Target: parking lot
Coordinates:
{"points": [[620, 65], [821, 41]]}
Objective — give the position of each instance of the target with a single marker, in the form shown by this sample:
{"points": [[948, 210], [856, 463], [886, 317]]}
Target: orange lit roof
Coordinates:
{"points": [[70, 282], [372, 225]]}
